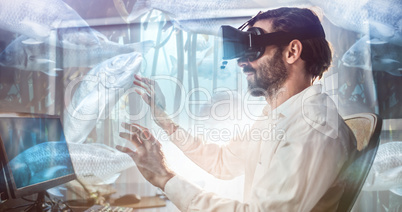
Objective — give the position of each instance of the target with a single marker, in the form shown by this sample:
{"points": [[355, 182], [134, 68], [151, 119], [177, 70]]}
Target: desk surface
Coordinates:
{"points": [[147, 202]]}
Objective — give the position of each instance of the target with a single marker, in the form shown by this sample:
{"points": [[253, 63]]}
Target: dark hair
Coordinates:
{"points": [[316, 51]]}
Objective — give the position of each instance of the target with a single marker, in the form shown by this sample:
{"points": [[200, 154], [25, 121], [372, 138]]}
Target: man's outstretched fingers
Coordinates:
{"points": [[132, 128], [145, 132], [133, 138]]}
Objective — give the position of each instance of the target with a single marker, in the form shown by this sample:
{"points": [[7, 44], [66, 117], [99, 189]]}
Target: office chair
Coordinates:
{"points": [[366, 128]]}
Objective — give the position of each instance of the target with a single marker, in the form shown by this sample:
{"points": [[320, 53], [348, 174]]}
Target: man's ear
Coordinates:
{"points": [[293, 51]]}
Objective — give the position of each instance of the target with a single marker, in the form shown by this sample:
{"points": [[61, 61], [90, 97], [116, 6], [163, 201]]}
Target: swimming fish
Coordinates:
{"points": [[205, 68], [51, 21], [369, 55], [378, 19], [92, 163], [204, 17], [46, 58], [386, 172], [39, 163], [97, 93], [97, 164]]}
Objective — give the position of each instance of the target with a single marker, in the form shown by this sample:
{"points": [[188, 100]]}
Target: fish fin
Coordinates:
{"points": [[389, 61], [56, 191], [39, 30], [168, 24], [205, 36], [173, 59], [375, 41], [41, 60], [391, 174], [147, 20], [50, 172], [121, 9], [382, 29], [110, 180], [100, 35], [31, 41], [397, 72], [142, 47], [139, 8], [397, 191], [46, 174], [52, 73]]}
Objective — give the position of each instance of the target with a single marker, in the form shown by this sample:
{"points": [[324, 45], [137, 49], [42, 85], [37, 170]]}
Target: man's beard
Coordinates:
{"points": [[270, 76]]}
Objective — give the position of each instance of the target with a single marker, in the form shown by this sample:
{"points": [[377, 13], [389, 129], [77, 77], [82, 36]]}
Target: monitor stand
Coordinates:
{"points": [[40, 204]]}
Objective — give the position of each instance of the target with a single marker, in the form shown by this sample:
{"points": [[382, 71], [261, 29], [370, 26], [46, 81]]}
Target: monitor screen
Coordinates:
{"points": [[34, 154]]}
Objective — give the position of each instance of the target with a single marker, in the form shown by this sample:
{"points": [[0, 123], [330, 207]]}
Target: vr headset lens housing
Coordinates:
{"points": [[251, 44]]}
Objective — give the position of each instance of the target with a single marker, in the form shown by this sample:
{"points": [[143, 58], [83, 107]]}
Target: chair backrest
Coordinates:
{"points": [[366, 128]]}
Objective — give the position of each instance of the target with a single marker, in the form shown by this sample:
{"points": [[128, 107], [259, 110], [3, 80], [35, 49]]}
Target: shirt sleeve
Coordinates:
{"points": [[222, 161], [299, 174]]}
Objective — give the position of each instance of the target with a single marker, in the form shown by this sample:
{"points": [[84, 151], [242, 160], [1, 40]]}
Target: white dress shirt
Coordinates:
{"points": [[291, 158]]}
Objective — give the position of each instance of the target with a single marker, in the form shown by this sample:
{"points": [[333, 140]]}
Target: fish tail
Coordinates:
{"points": [[121, 9], [140, 8]]}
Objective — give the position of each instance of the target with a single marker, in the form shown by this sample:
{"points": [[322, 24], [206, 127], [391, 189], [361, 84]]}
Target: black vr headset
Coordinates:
{"points": [[251, 44]]}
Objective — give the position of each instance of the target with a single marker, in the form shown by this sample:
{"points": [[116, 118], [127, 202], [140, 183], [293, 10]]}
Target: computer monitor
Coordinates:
{"points": [[34, 153]]}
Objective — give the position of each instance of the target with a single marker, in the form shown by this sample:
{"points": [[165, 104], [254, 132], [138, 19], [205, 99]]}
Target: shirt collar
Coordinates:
{"points": [[286, 109]]}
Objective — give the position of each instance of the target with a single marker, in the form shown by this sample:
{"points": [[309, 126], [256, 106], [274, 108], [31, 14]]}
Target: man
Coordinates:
{"points": [[292, 156]]}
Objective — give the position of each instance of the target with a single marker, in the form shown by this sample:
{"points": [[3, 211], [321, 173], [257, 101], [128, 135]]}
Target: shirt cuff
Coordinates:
{"points": [[181, 192]]}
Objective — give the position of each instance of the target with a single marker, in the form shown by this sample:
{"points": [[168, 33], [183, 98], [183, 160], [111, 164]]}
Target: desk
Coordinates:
{"points": [[147, 202], [151, 202]]}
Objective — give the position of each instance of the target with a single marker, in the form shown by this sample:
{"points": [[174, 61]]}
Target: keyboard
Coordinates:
{"points": [[108, 208]]}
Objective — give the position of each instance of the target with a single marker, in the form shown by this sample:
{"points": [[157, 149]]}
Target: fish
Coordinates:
{"points": [[386, 171], [203, 17], [203, 43], [205, 68], [51, 21], [97, 93], [378, 19], [40, 163], [98, 164], [367, 54], [48, 59], [93, 164], [121, 9]]}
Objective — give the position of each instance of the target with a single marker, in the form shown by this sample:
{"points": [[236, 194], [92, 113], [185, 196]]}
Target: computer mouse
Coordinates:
{"points": [[127, 199]]}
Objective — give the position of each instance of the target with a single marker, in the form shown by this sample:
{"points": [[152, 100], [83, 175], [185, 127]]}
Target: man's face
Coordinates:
{"points": [[266, 75]]}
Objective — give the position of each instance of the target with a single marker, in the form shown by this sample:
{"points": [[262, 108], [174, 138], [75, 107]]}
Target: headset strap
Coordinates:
{"points": [[311, 31]]}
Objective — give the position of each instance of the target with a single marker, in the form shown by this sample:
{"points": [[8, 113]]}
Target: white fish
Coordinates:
{"points": [[92, 163], [204, 17], [96, 164], [386, 172], [46, 58], [369, 55], [97, 93], [379, 19], [38, 19]]}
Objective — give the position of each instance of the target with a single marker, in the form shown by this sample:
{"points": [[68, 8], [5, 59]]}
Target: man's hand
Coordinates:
{"points": [[148, 156], [154, 97]]}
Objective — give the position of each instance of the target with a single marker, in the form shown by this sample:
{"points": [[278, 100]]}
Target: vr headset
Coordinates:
{"points": [[251, 44]]}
